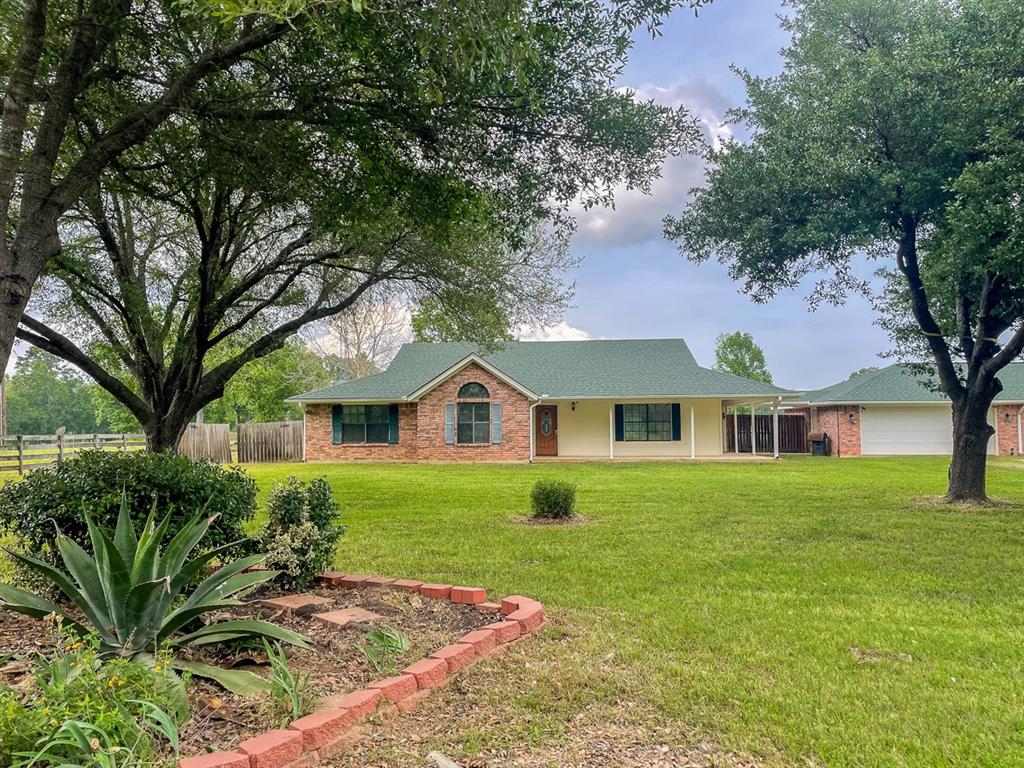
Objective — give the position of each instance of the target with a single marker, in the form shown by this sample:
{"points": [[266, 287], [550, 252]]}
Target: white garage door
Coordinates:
{"points": [[887, 430]]}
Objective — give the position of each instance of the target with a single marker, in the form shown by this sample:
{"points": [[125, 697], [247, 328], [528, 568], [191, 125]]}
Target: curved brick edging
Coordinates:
{"points": [[326, 732]]}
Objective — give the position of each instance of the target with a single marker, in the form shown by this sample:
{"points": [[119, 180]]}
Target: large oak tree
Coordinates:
{"points": [[212, 179], [893, 134], [507, 91]]}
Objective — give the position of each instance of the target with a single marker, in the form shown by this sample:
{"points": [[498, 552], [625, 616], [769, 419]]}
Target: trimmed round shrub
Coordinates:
{"points": [[302, 531], [54, 498], [553, 499]]}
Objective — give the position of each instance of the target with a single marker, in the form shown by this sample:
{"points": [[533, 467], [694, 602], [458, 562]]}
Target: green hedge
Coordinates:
{"points": [[47, 500]]}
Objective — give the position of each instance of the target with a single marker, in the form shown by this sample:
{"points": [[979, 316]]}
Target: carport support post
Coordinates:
{"points": [[753, 428], [775, 427]]}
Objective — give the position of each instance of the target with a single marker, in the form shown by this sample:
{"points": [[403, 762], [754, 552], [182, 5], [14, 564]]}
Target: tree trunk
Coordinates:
{"points": [[971, 434], [14, 291], [163, 435]]}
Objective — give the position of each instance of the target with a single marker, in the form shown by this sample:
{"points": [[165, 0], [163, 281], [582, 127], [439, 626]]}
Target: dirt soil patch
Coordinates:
{"points": [[336, 664]]}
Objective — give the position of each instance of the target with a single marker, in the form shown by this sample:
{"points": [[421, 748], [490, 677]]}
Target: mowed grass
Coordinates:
{"points": [[805, 610]]}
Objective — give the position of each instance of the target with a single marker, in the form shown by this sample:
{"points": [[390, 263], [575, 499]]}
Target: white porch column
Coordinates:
{"points": [[753, 427], [775, 426], [303, 433], [693, 434], [1020, 432], [611, 431], [736, 428]]}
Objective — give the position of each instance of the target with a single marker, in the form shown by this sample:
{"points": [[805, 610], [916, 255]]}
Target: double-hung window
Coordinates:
{"points": [[474, 420], [647, 421], [365, 424]]}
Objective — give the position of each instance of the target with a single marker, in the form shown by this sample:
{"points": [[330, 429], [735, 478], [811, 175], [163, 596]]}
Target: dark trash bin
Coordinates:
{"points": [[820, 443]]}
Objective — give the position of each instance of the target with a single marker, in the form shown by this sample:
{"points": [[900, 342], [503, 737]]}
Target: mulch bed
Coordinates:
{"points": [[336, 664]]}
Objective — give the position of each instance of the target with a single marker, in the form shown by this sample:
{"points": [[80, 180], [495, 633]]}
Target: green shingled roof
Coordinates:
{"points": [[557, 369], [898, 384]]}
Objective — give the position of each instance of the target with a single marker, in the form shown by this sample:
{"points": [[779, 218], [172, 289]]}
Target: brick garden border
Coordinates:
{"points": [[328, 731]]}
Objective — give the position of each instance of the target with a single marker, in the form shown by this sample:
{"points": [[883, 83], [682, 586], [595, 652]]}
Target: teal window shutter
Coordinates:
{"points": [[393, 423], [495, 422], [677, 430], [336, 424], [449, 424], [620, 423]]}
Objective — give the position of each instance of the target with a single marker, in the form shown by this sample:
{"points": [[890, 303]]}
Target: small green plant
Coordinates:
{"points": [[302, 531], [553, 499], [127, 711], [79, 744], [383, 646], [290, 696], [133, 595]]}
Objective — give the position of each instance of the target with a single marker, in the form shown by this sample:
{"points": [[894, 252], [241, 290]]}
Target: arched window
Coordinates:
{"points": [[474, 390]]}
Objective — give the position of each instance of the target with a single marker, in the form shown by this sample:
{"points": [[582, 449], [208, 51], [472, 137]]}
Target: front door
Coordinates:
{"points": [[546, 427]]}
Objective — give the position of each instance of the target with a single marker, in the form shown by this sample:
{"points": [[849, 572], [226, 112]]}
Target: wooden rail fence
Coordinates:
{"points": [[24, 452], [268, 442]]}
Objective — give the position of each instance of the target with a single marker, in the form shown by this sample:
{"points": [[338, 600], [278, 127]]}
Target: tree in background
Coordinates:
{"points": [[362, 340], [892, 134], [862, 371], [45, 394], [736, 353], [259, 390]]}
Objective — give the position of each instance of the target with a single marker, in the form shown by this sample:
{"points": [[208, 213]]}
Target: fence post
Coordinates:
{"points": [[95, 441], [124, 442], [21, 454], [60, 445]]}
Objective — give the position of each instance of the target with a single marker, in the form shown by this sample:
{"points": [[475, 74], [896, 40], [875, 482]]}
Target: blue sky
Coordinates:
{"points": [[633, 283]]}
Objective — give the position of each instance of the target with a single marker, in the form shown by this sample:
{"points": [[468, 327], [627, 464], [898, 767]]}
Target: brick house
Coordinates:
{"points": [[527, 400], [894, 411]]}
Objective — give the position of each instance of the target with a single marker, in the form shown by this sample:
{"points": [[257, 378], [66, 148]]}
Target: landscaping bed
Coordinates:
{"points": [[334, 666]]}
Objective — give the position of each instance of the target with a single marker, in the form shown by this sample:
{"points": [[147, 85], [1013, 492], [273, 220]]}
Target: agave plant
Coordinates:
{"points": [[132, 595]]}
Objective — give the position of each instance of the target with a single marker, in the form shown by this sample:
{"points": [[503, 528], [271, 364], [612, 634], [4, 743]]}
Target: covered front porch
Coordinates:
{"points": [[634, 429]]}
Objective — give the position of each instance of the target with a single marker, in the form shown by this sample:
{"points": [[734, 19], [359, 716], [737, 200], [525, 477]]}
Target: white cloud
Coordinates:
{"points": [[561, 331], [636, 217]]}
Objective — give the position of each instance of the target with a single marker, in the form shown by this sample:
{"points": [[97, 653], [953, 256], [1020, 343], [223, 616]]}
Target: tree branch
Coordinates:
{"points": [[42, 336], [906, 259]]}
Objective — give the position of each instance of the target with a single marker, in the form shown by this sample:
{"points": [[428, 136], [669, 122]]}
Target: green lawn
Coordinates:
{"points": [[805, 610]]}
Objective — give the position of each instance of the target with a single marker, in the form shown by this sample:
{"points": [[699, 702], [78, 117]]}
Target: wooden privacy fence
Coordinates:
{"points": [[207, 441], [792, 433], [271, 441], [20, 453]]}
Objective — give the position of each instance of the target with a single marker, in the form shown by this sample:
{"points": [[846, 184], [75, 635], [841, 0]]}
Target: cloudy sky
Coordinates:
{"points": [[634, 284]]}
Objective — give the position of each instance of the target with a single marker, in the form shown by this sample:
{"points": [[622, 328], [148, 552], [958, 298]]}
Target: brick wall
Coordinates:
{"points": [[836, 422], [320, 448], [421, 428], [1006, 431], [515, 421]]}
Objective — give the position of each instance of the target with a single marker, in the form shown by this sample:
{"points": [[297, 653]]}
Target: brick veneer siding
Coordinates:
{"points": [[515, 421], [836, 422], [421, 428], [1006, 431], [320, 448]]}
